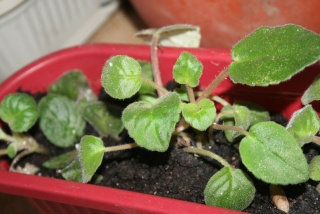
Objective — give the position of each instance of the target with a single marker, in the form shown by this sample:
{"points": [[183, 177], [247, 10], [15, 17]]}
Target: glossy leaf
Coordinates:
{"points": [[229, 188], [61, 161], [121, 77], [60, 120], [91, 152], [199, 115], [273, 55], [272, 154], [151, 125], [105, 119], [187, 70], [314, 168], [304, 124], [73, 85], [20, 111], [312, 93]]}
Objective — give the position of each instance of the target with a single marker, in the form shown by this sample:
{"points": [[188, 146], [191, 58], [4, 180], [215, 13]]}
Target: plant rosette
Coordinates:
{"points": [[269, 152]]}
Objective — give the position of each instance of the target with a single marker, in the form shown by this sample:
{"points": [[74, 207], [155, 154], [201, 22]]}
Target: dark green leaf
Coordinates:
{"points": [[60, 120], [272, 154], [229, 188], [273, 55], [151, 125], [121, 77], [20, 112], [304, 124], [187, 69]]}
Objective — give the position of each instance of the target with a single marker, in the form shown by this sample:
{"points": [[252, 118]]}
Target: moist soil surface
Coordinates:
{"points": [[180, 175]]}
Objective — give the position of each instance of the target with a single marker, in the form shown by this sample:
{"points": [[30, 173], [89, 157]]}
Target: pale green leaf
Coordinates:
{"points": [[187, 70], [121, 77], [304, 124], [73, 171], [20, 111], [151, 125], [273, 55], [314, 168], [229, 188], [91, 151], [61, 161], [273, 155], [312, 93], [199, 115], [60, 120], [146, 72]]}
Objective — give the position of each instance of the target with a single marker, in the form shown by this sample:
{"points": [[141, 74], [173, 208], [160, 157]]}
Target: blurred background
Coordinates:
{"points": [[30, 29]]}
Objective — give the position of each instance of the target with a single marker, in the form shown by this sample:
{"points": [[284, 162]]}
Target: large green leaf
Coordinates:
{"points": [[304, 124], [121, 77], [60, 120], [105, 119], [273, 155], [151, 125], [229, 188], [187, 69], [91, 151], [272, 55], [200, 115], [20, 111], [73, 85], [312, 93]]}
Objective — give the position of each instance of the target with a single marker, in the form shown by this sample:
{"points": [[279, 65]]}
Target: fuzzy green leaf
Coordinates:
{"points": [[73, 85], [60, 120], [304, 124], [121, 77], [61, 161], [272, 154], [20, 111], [199, 115], [312, 93], [257, 113], [151, 125], [314, 168], [91, 151], [273, 55], [187, 69], [73, 171], [105, 119], [146, 72], [229, 188]]}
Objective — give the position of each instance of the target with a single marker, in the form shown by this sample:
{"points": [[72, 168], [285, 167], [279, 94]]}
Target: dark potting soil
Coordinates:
{"points": [[181, 175]]}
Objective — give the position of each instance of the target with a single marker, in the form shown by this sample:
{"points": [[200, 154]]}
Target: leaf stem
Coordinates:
{"points": [[120, 147], [4, 136], [191, 94], [3, 151], [154, 85], [220, 100], [208, 154], [155, 61], [207, 92], [233, 128], [316, 140]]}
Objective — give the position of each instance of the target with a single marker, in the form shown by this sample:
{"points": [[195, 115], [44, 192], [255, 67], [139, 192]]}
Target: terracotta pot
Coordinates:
{"points": [[224, 22], [53, 195]]}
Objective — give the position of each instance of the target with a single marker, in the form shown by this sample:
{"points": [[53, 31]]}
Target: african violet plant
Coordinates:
{"points": [[269, 151]]}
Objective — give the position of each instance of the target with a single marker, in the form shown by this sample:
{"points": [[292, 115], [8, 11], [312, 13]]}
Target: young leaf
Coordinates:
{"points": [[312, 93], [314, 168], [272, 55], [304, 124], [20, 111], [105, 119], [187, 69], [121, 77], [200, 115], [73, 85], [151, 125], [60, 120], [272, 154], [91, 152], [73, 171], [12, 150], [257, 113], [61, 161], [229, 188], [146, 72]]}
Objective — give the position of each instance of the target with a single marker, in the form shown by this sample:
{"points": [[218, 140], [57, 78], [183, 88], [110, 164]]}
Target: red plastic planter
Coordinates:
{"points": [[60, 196]]}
